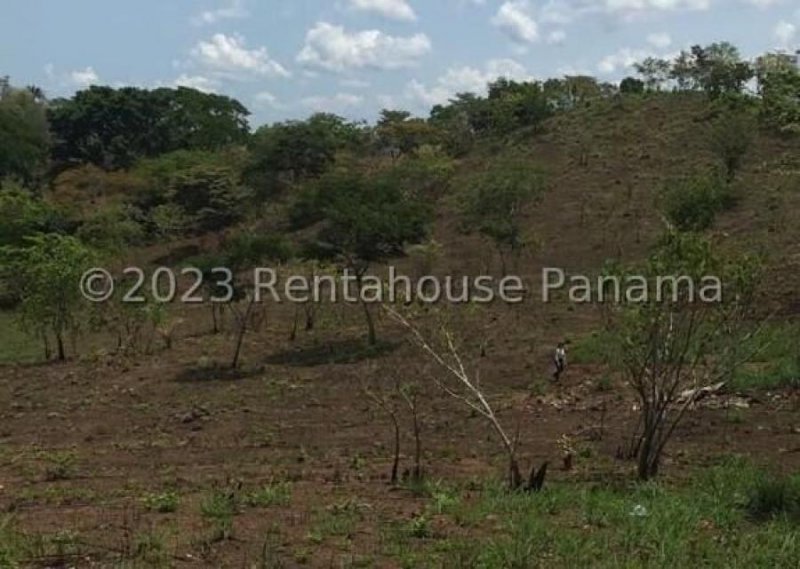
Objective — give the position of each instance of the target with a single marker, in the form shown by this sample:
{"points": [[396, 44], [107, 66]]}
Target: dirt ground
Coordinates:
{"points": [[145, 426]]}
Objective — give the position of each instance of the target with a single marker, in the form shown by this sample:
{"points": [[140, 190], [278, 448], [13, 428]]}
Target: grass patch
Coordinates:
{"points": [[590, 349], [710, 521], [16, 346], [163, 503], [275, 494]]}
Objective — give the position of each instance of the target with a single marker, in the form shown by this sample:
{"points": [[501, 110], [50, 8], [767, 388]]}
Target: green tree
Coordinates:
{"points": [[113, 128], [495, 202], [47, 271], [367, 220], [399, 133], [211, 195], [731, 137], [24, 135], [779, 85], [244, 251], [285, 154], [112, 229], [23, 215], [654, 71], [631, 86], [716, 69], [686, 337]]}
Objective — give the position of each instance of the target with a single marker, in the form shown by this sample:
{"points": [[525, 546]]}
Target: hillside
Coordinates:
{"points": [[163, 457]]}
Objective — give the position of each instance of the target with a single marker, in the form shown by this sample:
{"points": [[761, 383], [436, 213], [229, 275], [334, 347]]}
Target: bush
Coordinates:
{"points": [[731, 138], [772, 498], [112, 229], [692, 204]]}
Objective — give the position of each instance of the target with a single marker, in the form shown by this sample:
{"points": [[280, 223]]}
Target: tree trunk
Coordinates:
{"points": [[60, 347], [241, 333], [293, 333], [214, 319], [514, 475], [417, 449], [372, 337], [396, 462]]}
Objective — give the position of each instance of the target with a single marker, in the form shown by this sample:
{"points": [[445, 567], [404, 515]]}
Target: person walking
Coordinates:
{"points": [[560, 360]]}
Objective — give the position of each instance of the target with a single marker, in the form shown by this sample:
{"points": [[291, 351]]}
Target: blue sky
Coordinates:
{"points": [[288, 58]]}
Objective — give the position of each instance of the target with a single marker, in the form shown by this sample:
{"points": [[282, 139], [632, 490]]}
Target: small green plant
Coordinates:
{"points": [[219, 508], [774, 497], [151, 548], [163, 503], [604, 384], [60, 465], [273, 494], [443, 500], [420, 527]]}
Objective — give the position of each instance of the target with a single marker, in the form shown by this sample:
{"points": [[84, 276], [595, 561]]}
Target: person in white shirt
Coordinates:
{"points": [[560, 360]]}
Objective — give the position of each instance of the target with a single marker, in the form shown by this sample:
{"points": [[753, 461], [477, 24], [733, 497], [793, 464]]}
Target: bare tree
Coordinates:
{"points": [[386, 400], [465, 386]]}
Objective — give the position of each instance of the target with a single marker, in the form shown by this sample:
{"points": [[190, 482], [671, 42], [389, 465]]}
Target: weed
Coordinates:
{"points": [[60, 465], [163, 503], [273, 494]]}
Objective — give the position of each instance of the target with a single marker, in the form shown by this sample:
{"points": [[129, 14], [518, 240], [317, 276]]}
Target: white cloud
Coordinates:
{"points": [[355, 83], [785, 33], [622, 59], [764, 4], [335, 49], [567, 11], [515, 18], [556, 37], [84, 77], [465, 80], [392, 9], [227, 55], [199, 82], [265, 99], [656, 5], [660, 40], [235, 9], [332, 104]]}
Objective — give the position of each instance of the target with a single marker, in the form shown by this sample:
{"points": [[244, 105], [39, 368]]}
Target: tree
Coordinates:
{"points": [[244, 251], [668, 347], [731, 138], [24, 135], [284, 154], [779, 85], [692, 203], [654, 71], [716, 69], [462, 382], [112, 229], [113, 128], [391, 394], [513, 104], [495, 203], [631, 86], [398, 133], [366, 220], [210, 195], [23, 215], [47, 272]]}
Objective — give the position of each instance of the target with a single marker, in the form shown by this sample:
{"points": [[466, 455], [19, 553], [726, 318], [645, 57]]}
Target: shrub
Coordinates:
{"points": [[692, 204], [731, 138], [774, 497], [164, 503]]}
